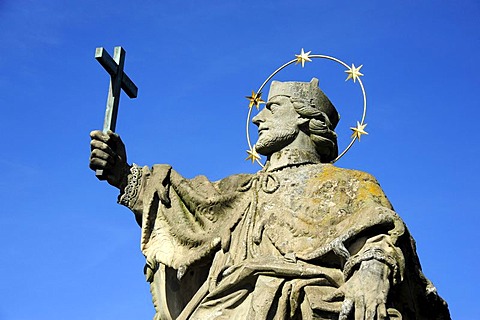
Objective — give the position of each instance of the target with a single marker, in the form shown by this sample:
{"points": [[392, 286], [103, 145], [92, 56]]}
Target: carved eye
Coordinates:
{"points": [[273, 107]]}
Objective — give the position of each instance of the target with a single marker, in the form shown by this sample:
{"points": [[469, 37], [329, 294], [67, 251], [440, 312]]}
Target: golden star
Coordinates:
{"points": [[255, 100], [302, 57], [354, 73], [252, 155], [359, 130]]}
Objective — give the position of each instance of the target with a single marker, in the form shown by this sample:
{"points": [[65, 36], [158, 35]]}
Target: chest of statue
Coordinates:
{"points": [[293, 210]]}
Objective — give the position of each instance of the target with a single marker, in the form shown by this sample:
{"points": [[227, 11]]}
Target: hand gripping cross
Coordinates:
{"points": [[118, 81]]}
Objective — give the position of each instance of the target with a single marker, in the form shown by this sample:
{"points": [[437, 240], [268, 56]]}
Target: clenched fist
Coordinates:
{"points": [[108, 154]]}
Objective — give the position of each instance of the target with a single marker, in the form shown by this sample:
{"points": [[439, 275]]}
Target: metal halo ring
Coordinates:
{"points": [[315, 56]]}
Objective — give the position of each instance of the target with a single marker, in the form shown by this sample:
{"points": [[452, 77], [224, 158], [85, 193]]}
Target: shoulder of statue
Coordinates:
{"points": [[363, 176], [231, 183], [166, 175], [332, 171]]}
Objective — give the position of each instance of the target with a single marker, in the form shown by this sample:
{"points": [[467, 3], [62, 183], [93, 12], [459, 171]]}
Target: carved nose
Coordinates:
{"points": [[258, 118]]}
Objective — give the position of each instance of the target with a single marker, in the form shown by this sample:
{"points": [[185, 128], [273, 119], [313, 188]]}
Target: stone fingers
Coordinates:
{"points": [[381, 311], [376, 310], [110, 138], [100, 154], [347, 307], [359, 308], [96, 163], [100, 145], [370, 312], [113, 137], [100, 160], [99, 135]]}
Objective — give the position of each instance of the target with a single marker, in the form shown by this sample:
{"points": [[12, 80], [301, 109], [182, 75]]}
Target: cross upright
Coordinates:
{"points": [[118, 81]]}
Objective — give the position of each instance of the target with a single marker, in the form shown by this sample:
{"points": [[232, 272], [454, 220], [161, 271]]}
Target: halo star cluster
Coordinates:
{"points": [[353, 74]]}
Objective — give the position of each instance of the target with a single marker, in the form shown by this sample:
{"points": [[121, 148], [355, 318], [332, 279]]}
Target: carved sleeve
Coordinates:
{"points": [[133, 194], [380, 248], [130, 194]]}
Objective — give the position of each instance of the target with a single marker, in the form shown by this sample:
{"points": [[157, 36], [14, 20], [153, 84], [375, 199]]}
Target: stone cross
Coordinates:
{"points": [[118, 81]]}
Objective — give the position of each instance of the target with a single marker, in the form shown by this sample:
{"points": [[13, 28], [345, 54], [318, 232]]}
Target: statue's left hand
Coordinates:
{"points": [[365, 293]]}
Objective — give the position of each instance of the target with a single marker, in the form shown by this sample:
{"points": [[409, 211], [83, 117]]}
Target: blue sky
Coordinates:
{"points": [[69, 251]]}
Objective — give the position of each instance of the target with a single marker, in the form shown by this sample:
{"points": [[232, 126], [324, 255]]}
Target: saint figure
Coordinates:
{"points": [[300, 239]]}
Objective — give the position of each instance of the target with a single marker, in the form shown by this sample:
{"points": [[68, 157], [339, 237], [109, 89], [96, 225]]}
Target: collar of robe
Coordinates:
{"points": [[267, 180], [290, 158]]}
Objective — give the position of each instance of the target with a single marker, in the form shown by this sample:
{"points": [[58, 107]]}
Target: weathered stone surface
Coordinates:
{"points": [[300, 239]]}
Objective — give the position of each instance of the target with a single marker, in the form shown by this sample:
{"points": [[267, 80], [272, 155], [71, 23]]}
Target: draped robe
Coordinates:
{"points": [[272, 245]]}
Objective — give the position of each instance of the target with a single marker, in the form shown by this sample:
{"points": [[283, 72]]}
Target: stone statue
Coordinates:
{"points": [[300, 239]]}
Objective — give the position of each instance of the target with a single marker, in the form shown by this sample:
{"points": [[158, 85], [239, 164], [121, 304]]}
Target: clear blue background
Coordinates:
{"points": [[68, 251]]}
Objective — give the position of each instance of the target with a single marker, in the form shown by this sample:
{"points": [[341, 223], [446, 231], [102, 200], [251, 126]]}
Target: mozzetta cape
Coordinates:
{"points": [[272, 245]]}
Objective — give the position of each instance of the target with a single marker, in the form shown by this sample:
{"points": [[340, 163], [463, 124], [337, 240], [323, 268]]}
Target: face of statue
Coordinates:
{"points": [[278, 125]]}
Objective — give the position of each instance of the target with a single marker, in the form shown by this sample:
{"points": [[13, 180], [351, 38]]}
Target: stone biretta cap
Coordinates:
{"points": [[308, 91]]}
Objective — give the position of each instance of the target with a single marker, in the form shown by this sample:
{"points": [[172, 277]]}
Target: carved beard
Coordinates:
{"points": [[273, 140]]}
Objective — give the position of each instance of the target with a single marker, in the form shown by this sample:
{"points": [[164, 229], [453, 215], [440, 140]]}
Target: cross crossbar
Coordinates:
{"points": [[118, 81], [111, 66]]}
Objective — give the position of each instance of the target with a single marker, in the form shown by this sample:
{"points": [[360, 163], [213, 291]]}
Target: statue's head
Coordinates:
{"points": [[295, 107]]}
